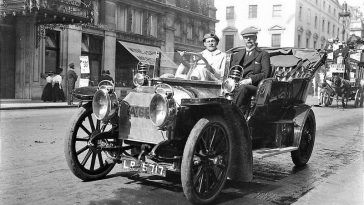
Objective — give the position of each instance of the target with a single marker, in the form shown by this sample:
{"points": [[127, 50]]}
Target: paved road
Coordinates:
{"points": [[33, 169]]}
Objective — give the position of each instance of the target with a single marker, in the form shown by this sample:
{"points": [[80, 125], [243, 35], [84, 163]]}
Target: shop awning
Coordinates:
{"points": [[147, 54]]}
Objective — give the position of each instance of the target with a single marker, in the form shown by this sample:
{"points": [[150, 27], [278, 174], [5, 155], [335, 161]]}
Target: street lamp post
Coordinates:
{"points": [[345, 15]]}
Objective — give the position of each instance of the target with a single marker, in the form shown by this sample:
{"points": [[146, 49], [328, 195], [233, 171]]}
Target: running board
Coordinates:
{"points": [[266, 152]]}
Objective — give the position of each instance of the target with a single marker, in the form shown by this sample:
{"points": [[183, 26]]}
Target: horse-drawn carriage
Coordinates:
{"points": [[191, 127], [343, 79]]}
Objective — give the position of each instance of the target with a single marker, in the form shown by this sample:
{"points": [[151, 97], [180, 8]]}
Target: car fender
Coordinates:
{"points": [[242, 157], [302, 112]]}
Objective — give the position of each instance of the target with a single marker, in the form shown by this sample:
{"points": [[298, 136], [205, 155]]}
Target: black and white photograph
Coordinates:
{"points": [[160, 102]]}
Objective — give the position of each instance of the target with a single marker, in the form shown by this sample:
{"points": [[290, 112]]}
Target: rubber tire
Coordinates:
{"points": [[300, 158], [326, 99], [69, 149], [358, 99], [186, 174]]}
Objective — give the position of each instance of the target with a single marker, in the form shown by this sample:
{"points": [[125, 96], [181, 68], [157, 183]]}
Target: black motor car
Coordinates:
{"points": [[191, 127]]}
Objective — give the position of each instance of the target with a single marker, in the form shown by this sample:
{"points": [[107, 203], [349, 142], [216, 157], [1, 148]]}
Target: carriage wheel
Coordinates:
{"points": [[83, 157], [301, 156], [326, 99], [206, 160], [358, 98]]}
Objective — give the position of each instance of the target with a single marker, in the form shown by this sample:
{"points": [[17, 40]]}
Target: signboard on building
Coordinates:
{"points": [[85, 71]]}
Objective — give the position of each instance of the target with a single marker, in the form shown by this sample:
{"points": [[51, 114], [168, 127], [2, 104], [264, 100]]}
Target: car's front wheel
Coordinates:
{"points": [[206, 160], [84, 157]]}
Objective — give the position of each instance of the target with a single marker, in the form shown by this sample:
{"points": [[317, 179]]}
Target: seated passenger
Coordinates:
{"points": [[256, 64], [211, 68]]}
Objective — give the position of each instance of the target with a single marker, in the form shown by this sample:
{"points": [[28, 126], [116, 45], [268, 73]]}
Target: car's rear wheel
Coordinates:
{"points": [[301, 156], [206, 160], [84, 157]]}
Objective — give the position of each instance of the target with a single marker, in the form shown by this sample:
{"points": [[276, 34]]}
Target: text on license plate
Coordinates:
{"points": [[144, 167]]}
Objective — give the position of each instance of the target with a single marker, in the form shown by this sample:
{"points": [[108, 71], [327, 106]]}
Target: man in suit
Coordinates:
{"points": [[71, 78], [256, 64]]}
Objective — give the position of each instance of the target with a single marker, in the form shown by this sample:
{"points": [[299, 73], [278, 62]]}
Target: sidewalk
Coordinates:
{"points": [[344, 187], [16, 104]]}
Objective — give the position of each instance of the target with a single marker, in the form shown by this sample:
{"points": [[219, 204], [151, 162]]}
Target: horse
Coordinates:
{"points": [[342, 89]]}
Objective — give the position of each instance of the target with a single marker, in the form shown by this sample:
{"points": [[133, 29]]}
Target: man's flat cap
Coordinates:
{"points": [[249, 31], [210, 35], [71, 65]]}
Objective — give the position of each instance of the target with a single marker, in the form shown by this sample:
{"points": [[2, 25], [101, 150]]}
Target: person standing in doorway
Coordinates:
{"points": [[105, 75], [71, 79]]}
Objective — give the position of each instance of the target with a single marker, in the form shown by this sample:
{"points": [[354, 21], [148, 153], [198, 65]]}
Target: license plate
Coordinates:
{"points": [[144, 167]]}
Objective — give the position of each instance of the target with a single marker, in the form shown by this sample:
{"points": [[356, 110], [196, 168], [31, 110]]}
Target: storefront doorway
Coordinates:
{"points": [[7, 60], [51, 51]]}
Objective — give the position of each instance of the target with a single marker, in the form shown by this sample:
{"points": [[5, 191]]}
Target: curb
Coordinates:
{"points": [[38, 107]]}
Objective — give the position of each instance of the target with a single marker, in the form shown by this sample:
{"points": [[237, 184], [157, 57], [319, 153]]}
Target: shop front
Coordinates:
{"points": [[36, 38]]}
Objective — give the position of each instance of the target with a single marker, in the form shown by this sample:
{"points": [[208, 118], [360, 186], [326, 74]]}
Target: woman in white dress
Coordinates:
{"points": [[47, 91], [57, 91]]}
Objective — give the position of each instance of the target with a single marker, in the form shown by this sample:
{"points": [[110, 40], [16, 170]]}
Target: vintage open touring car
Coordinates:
{"points": [[167, 124]]}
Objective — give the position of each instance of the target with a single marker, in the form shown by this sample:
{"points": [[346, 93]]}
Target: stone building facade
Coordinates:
{"points": [[39, 39], [281, 23]]}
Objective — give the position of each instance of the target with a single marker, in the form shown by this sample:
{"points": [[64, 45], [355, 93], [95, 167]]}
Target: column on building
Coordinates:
{"points": [[110, 38], [71, 49], [169, 34], [24, 56]]}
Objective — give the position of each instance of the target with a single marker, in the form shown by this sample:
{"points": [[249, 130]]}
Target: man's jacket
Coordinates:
{"points": [[256, 66]]}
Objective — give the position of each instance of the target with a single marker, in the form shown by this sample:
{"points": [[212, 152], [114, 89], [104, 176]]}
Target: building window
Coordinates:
{"points": [[51, 51], [189, 32], [316, 22], [338, 31], [253, 11], [334, 12], [324, 5], [177, 27], [307, 42], [121, 18], [328, 27], [299, 41], [91, 46], [229, 42], [333, 30], [300, 13], [230, 12], [314, 44], [329, 9], [323, 25], [277, 10], [152, 25], [276, 40], [316, 2], [308, 16], [137, 21]]}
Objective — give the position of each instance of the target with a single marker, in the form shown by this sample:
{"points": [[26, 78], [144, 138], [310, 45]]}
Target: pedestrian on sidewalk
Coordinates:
{"points": [[71, 79], [47, 91], [105, 75], [57, 91]]}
